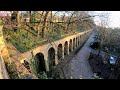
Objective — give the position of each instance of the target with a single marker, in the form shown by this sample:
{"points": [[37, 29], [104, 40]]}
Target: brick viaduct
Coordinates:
{"points": [[52, 53]]}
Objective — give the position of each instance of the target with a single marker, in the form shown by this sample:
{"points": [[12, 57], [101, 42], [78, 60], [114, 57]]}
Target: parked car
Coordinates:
{"points": [[112, 59], [94, 45]]}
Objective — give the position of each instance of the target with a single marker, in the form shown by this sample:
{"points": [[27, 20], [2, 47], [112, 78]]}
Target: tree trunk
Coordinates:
{"points": [[39, 25], [28, 16], [18, 18], [44, 24]]}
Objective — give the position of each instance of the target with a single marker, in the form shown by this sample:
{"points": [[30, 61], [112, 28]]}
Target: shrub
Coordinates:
{"points": [[12, 71], [1, 22], [35, 69]]}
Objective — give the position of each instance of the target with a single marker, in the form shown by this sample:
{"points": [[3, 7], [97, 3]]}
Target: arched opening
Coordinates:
{"points": [[59, 51], [78, 41], [40, 62], [26, 65], [70, 45], [51, 57], [81, 38], [74, 43], [66, 48]]}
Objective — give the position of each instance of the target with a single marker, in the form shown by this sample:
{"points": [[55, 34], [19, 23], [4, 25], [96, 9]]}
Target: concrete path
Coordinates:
{"points": [[79, 65]]}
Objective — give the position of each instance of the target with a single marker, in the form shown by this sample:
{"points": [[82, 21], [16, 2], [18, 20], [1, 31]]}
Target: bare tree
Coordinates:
{"points": [[28, 16], [18, 17], [103, 31], [44, 24]]}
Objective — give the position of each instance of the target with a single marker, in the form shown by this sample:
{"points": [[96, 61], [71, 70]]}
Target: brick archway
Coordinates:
{"points": [[66, 48], [51, 57], [40, 62], [70, 45], [59, 52], [74, 43]]}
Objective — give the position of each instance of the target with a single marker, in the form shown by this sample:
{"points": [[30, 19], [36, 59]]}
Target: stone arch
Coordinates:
{"points": [[80, 36], [70, 45], [66, 48], [74, 43], [81, 39], [51, 57], [40, 62], [59, 52], [78, 41], [26, 65]]}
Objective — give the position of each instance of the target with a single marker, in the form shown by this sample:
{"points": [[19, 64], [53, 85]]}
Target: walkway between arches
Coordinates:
{"points": [[79, 65]]}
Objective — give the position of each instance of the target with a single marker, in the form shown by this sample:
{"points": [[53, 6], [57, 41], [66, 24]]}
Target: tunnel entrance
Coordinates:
{"points": [[66, 48], [70, 45], [59, 51], [40, 62]]}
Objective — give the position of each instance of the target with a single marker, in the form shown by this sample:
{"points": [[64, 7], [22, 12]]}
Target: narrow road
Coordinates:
{"points": [[79, 65]]}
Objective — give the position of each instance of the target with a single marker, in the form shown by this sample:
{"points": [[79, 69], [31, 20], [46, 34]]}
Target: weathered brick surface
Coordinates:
{"points": [[4, 57], [3, 52]]}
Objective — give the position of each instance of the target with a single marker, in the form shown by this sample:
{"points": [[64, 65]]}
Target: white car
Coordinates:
{"points": [[112, 60]]}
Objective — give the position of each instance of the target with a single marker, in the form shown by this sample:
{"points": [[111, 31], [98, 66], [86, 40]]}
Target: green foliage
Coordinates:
{"points": [[25, 40], [95, 77], [81, 29], [43, 75], [1, 22], [58, 75], [12, 71], [35, 16], [53, 36], [35, 69], [22, 39]]}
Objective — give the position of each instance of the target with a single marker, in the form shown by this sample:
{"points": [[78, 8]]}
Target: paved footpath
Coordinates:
{"points": [[79, 65]]}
